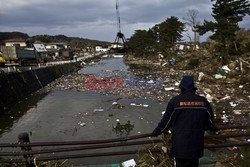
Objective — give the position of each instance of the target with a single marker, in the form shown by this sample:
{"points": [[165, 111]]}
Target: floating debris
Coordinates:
{"points": [[129, 163], [99, 110], [139, 105], [82, 124]]}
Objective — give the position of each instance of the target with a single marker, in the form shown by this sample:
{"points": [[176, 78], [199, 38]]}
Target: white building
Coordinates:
{"points": [[56, 46], [19, 42], [101, 49]]}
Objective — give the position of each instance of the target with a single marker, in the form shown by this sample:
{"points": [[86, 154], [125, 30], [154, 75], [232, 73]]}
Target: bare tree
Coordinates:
{"points": [[192, 22]]}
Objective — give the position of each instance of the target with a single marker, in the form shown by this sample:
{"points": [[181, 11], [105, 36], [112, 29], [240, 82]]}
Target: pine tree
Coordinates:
{"points": [[169, 32], [142, 43], [227, 15]]}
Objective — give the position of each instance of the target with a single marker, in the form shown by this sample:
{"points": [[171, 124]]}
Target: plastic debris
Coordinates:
{"points": [[164, 64], [132, 104], [164, 149], [117, 120], [129, 163], [233, 104], [114, 103], [177, 84], [98, 110], [226, 97], [219, 76], [169, 88], [82, 124], [225, 68], [241, 86], [139, 105], [201, 75], [224, 118], [151, 81], [209, 97], [237, 112], [163, 112]]}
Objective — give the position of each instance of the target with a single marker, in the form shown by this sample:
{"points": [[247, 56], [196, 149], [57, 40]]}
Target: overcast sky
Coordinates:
{"points": [[94, 19]]}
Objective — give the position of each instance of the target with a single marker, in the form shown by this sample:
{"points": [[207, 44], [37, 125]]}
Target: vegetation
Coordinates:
{"points": [[192, 22], [9, 35], [73, 41], [227, 14], [159, 39]]}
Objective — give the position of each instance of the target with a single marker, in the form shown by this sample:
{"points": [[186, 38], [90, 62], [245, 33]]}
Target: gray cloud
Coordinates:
{"points": [[91, 18]]}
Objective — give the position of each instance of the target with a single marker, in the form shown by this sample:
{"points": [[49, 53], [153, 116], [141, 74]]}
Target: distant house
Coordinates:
{"points": [[41, 51], [185, 46], [115, 45], [19, 42], [58, 50], [101, 49]]}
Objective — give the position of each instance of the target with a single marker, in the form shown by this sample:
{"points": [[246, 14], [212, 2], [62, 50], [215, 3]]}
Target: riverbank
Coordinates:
{"points": [[18, 85], [15, 86]]}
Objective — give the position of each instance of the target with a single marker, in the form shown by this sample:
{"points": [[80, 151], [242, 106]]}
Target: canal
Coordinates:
{"points": [[67, 115], [67, 111]]}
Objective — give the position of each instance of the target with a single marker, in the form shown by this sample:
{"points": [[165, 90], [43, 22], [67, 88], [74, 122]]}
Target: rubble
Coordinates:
{"points": [[226, 92]]}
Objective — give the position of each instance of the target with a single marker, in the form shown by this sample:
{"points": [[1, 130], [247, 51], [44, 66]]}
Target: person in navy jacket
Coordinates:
{"points": [[189, 115]]}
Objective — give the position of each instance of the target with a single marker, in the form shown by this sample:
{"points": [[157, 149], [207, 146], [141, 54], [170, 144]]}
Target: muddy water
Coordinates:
{"points": [[70, 115], [66, 115]]}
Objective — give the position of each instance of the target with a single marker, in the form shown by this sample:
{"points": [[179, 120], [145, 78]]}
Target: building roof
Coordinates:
{"points": [[40, 48], [15, 40]]}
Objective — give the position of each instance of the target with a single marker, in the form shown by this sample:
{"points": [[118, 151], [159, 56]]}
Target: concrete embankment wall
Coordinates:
{"points": [[18, 85]]}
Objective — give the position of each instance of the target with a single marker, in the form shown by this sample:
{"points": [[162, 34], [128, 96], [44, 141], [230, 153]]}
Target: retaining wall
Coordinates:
{"points": [[18, 85]]}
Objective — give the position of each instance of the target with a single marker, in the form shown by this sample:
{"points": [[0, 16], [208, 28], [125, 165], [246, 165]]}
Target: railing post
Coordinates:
{"points": [[23, 138]]}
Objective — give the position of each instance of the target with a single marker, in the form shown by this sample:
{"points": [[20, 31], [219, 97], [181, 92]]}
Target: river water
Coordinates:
{"points": [[58, 115], [69, 115]]}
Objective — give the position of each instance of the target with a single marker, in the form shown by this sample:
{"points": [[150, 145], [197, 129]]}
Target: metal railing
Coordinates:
{"points": [[27, 154]]}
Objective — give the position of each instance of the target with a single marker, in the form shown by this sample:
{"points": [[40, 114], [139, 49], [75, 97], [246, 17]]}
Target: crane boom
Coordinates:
{"points": [[120, 40], [118, 16]]}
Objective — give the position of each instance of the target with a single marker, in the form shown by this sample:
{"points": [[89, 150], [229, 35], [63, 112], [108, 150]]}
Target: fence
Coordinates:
{"points": [[27, 152]]}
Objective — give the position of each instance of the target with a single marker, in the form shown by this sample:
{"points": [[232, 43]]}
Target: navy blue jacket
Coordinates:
{"points": [[189, 115]]}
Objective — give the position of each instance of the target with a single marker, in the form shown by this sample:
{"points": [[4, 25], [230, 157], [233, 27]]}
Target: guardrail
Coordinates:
{"points": [[27, 153]]}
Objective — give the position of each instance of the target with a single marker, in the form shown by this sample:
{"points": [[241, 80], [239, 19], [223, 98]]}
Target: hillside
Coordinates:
{"points": [[72, 41]]}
